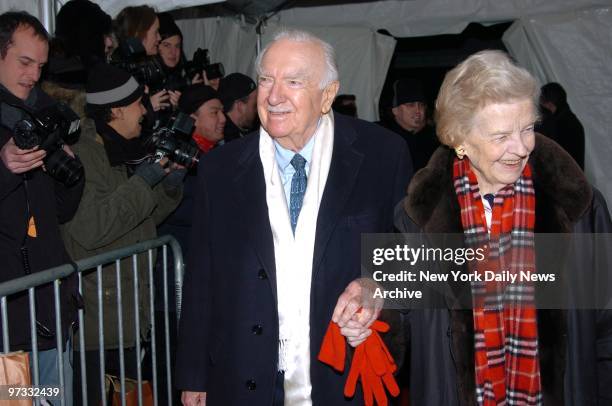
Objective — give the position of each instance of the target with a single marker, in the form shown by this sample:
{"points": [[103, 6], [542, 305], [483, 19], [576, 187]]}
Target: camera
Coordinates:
{"points": [[50, 128], [132, 58], [172, 141], [201, 62]]}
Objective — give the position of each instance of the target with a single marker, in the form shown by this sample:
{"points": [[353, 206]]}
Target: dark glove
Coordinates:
{"points": [[175, 178], [151, 172]]}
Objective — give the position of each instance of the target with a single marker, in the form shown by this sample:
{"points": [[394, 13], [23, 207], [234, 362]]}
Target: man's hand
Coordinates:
{"points": [[193, 398], [67, 150], [19, 160], [357, 309], [152, 172]]}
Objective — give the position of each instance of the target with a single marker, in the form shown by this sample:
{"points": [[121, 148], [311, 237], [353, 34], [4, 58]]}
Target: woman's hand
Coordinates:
{"points": [[175, 95], [160, 100]]}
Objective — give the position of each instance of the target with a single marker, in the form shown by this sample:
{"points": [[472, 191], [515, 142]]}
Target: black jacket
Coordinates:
{"points": [[575, 346], [228, 340], [232, 132], [421, 144], [50, 203], [564, 127]]}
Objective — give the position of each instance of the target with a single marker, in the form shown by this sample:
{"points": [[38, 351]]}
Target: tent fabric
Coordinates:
{"points": [[363, 55], [113, 7], [410, 18], [31, 6], [228, 40], [572, 48]]}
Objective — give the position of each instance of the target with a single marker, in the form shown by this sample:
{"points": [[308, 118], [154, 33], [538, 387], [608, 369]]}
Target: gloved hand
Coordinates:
{"points": [[175, 178], [151, 172], [372, 363]]}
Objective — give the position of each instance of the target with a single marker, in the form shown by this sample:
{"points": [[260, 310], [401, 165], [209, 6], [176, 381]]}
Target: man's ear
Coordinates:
{"points": [[395, 111], [329, 94], [116, 113]]}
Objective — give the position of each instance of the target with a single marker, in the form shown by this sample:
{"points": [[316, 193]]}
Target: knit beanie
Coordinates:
{"points": [[194, 96], [109, 86]]}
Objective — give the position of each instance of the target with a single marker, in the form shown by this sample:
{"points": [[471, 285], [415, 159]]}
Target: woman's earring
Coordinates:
{"points": [[460, 152]]}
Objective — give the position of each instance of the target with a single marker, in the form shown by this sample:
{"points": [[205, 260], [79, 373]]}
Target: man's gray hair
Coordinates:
{"points": [[331, 69]]}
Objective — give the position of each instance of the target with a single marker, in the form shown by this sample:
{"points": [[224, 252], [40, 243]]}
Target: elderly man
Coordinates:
{"points": [[278, 223]]}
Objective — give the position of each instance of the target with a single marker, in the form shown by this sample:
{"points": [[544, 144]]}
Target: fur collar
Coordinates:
{"points": [[563, 193]]}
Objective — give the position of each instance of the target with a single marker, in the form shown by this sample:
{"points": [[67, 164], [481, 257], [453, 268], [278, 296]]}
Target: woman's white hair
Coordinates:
{"points": [[331, 69], [483, 78]]}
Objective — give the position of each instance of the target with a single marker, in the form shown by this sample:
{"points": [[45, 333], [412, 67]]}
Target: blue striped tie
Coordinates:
{"points": [[298, 188]]}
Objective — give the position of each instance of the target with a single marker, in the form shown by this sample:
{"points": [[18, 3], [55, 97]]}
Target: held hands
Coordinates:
{"points": [[356, 310], [19, 160], [193, 398], [372, 364]]}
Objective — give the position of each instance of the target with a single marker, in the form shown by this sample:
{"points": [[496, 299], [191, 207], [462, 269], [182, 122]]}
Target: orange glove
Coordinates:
{"points": [[372, 363], [333, 350]]}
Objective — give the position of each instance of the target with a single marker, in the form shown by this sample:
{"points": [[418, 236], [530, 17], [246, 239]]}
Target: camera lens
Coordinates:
{"points": [[25, 135], [185, 154], [63, 167]]}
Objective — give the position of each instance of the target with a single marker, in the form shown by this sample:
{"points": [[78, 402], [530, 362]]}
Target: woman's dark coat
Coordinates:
{"points": [[575, 346]]}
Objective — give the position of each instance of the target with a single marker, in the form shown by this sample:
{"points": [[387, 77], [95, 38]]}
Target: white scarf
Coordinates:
{"points": [[293, 258]]}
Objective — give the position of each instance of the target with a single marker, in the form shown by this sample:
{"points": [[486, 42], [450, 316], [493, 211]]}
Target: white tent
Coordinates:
{"points": [[563, 40], [567, 41]]}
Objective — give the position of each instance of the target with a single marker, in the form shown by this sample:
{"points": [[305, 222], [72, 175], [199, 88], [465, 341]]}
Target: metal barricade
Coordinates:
{"points": [[95, 264]]}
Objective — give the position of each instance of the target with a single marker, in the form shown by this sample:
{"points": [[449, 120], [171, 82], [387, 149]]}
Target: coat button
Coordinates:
{"points": [[251, 384], [257, 329], [261, 274]]}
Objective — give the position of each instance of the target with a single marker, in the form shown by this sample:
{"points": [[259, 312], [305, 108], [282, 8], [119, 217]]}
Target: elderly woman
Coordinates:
{"points": [[499, 181]]}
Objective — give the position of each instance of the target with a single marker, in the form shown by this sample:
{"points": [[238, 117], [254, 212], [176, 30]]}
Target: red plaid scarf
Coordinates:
{"points": [[505, 327]]}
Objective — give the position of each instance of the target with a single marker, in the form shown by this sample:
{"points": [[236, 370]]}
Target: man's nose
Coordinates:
{"points": [[276, 94], [34, 72]]}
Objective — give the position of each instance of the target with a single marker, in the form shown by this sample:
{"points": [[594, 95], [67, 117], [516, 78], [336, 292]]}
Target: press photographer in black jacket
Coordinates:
{"points": [[32, 203]]}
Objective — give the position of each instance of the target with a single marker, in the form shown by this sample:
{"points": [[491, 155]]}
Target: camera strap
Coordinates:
{"points": [[41, 329]]}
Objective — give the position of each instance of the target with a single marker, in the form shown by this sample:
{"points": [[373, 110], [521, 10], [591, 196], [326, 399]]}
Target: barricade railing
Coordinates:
{"points": [[96, 263]]}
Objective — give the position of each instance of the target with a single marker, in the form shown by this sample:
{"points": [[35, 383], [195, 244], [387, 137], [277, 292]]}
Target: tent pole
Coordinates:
{"points": [[47, 14], [258, 29]]}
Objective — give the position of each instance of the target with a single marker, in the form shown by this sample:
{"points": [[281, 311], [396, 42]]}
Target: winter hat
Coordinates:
{"points": [[407, 90], [194, 96], [167, 26], [109, 86], [233, 87]]}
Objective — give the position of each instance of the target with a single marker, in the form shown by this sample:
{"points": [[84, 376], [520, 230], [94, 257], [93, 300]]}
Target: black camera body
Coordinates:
{"points": [[51, 128], [172, 141], [132, 58], [201, 62]]}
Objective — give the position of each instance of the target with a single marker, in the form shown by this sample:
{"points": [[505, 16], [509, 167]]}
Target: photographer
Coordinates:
{"points": [[137, 31], [32, 203], [170, 56], [82, 36], [126, 195], [202, 103]]}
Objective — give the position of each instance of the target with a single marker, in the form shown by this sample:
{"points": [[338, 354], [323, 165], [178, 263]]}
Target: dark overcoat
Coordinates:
{"points": [[228, 340]]}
